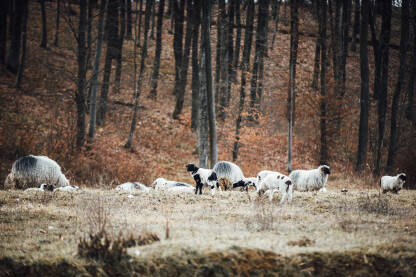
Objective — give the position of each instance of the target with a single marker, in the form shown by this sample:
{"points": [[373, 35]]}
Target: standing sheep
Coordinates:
{"points": [[276, 182], [392, 183], [225, 174], [310, 180], [200, 176], [29, 171]]}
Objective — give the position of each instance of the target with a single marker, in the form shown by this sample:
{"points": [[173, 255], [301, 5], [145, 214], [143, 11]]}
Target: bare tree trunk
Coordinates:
{"points": [[377, 52], [404, 38], [58, 14], [44, 41], [323, 153], [238, 34], [14, 48], [3, 30], [294, 38], [248, 38], [206, 50], [89, 35], [196, 19], [177, 41], [80, 94], [129, 21], [356, 24], [112, 48], [183, 74], [411, 107], [94, 79], [382, 100], [220, 44], [137, 93], [364, 101], [230, 47], [119, 57], [140, 22], [276, 14], [24, 35], [152, 32], [317, 48], [158, 51], [203, 138], [224, 63]]}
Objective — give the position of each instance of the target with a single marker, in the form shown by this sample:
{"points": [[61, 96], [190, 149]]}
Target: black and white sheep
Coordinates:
{"points": [[246, 183], [276, 182], [262, 174], [392, 183], [30, 171], [163, 184], [310, 180], [132, 186], [225, 174], [200, 176]]}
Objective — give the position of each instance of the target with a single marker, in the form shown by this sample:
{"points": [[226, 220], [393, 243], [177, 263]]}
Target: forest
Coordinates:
{"points": [[128, 97], [120, 91]]}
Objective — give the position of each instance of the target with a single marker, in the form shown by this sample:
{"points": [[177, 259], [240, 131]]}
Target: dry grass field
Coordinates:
{"points": [[230, 233]]}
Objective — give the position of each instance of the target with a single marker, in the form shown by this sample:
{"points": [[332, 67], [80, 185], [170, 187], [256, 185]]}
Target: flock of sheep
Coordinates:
{"points": [[43, 174]]}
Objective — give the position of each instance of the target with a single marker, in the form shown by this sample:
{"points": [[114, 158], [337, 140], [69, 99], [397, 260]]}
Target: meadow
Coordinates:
{"points": [[231, 233]]}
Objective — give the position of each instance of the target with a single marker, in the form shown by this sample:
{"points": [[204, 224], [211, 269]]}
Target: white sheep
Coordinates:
{"points": [[43, 187], [131, 186], [67, 188], [32, 170], [310, 180], [262, 174], [225, 174], [163, 184], [181, 190], [200, 176], [276, 182], [392, 183]]}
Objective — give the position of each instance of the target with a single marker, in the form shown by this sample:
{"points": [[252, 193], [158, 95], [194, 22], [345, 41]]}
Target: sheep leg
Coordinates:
{"points": [[283, 197], [271, 192]]}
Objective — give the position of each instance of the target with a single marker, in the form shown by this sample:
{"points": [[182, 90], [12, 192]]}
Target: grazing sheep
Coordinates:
{"points": [[225, 174], [43, 187], [67, 188], [246, 183], [276, 182], [392, 183], [181, 190], [29, 171], [130, 186], [200, 176], [310, 180], [163, 184]]}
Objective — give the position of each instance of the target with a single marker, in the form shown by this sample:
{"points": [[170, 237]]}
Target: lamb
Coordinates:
{"points": [[246, 183], [29, 171], [392, 183], [163, 184], [262, 174], [43, 187], [310, 180], [225, 174], [131, 186], [200, 176], [276, 182]]}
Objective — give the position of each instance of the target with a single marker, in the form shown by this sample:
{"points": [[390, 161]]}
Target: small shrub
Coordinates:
{"points": [[303, 242], [376, 205]]}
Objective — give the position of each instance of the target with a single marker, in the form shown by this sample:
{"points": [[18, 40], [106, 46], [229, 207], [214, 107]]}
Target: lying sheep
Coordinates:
{"points": [[310, 180], [276, 182], [30, 171], [200, 176], [68, 188], [131, 186], [181, 190], [163, 184], [225, 174], [392, 183], [43, 187]]}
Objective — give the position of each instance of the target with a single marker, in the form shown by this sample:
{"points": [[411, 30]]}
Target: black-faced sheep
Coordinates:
{"points": [[200, 176], [392, 183], [276, 182], [225, 174], [43, 187], [310, 180], [246, 183], [32, 171]]}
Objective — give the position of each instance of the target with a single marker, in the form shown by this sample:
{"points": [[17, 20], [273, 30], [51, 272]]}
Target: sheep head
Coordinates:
{"points": [[191, 168], [325, 169]]}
